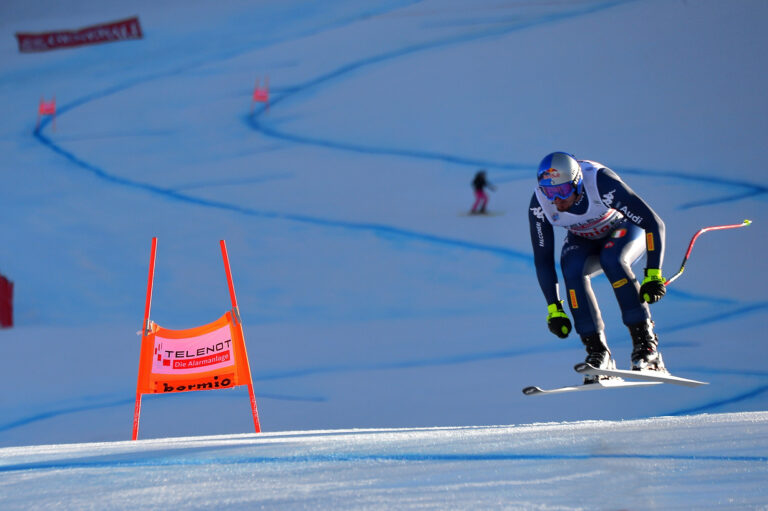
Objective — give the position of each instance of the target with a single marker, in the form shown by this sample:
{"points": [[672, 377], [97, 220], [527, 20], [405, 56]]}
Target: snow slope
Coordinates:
{"points": [[699, 462], [369, 299]]}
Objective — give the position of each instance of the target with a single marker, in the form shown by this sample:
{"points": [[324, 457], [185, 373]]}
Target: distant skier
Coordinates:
{"points": [[609, 228], [480, 183]]}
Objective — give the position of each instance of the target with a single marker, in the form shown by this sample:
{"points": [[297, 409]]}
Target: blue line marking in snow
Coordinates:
{"points": [[409, 364], [63, 411], [406, 364], [252, 120], [369, 227], [393, 54], [346, 458], [298, 373], [750, 189], [234, 182], [409, 153], [714, 405], [726, 371], [684, 295], [41, 416], [465, 358], [741, 311]]}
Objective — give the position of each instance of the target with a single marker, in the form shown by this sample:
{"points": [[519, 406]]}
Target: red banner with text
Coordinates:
{"points": [[121, 30]]}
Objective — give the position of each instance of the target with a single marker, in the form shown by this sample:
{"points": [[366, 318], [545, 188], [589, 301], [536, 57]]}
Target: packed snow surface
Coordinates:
{"points": [[701, 462]]}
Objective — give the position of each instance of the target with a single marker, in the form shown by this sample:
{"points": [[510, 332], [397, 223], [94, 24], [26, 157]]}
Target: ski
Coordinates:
{"points": [[479, 214], [646, 376], [610, 383]]}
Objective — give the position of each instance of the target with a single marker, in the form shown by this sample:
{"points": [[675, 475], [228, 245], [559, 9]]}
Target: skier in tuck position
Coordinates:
{"points": [[609, 229]]}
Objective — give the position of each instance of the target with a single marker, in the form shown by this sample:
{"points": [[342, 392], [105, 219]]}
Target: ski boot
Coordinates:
{"points": [[645, 355], [598, 355]]}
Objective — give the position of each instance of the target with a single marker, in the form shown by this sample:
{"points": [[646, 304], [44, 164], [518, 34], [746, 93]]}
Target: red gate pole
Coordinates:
{"points": [[145, 329], [236, 311]]}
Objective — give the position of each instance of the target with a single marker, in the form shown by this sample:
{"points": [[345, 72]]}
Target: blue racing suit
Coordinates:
{"points": [[609, 229]]}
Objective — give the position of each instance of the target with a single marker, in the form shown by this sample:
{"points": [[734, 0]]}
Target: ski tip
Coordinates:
{"points": [[529, 391], [581, 367]]}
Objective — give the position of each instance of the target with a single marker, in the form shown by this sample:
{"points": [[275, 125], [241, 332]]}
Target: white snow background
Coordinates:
{"points": [[388, 333]]}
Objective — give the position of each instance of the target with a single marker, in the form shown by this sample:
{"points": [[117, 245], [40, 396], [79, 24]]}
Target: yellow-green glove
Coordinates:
{"points": [[652, 289], [557, 321]]}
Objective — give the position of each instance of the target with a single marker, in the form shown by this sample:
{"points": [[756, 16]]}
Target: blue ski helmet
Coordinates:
{"points": [[560, 168]]}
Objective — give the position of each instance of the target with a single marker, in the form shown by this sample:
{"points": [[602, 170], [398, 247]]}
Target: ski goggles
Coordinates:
{"points": [[562, 191]]}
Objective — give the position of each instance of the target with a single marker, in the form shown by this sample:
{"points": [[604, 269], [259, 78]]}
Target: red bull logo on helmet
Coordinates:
{"points": [[559, 168], [549, 177]]}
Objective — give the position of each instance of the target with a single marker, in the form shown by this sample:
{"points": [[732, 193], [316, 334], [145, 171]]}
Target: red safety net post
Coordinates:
{"points": [[145, 331], [47, 108], [260, 95], [6, 302], [236, 313]]}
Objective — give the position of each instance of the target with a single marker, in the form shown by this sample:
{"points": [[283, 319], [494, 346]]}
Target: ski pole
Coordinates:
{"points": [[693, 240]]}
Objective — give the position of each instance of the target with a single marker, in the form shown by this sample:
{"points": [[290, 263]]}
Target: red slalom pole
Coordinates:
{"points": [[145, 329], [693, 240], [236, 311], [228, 271], [150, 280]]}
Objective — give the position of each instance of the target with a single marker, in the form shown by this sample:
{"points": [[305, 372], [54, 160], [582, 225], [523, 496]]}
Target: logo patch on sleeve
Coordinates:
{"points": [[649, 242], [572, 295]]}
